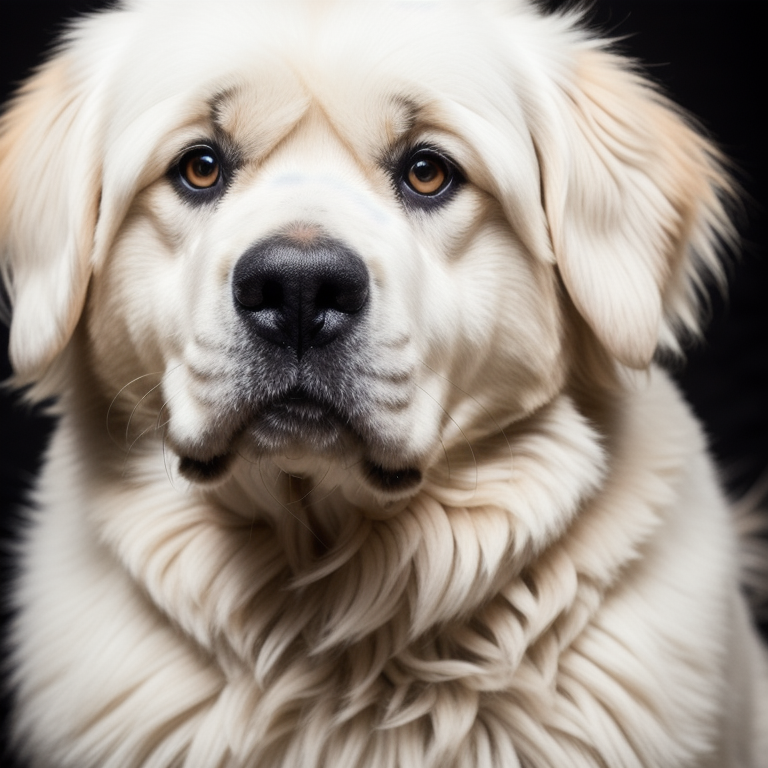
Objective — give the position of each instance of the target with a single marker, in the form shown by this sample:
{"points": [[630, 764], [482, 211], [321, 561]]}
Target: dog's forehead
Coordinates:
{"points": [[257, 116], [372, 68], [339, 51], [254, 68]]}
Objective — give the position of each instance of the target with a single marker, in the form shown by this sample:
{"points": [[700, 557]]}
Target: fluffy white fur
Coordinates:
{"points": [[560, 588]]}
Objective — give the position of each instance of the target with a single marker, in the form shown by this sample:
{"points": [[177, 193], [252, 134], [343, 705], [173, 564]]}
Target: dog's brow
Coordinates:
{"points": [[405, 116], [217, 104]]}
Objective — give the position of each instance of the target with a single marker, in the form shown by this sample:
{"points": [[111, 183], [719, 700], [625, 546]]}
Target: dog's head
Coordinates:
{"points": [[333, 235]]}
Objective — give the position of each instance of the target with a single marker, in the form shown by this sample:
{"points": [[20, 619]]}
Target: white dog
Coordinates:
{"points": [[362, 461]]}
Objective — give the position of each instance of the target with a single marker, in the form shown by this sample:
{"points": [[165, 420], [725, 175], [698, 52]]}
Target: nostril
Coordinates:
{"points": [[272, 295], [327, 297], [256, 294], [348, 295]]}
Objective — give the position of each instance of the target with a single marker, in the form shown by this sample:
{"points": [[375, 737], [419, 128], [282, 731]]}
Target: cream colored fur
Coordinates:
{"points": [[559, 589]]}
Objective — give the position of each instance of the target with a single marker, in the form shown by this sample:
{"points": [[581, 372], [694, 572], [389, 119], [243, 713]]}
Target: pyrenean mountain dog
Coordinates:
{"points": [[350, 311]]}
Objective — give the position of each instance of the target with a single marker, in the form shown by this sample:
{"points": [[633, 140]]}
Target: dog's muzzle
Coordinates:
{"points": [[302, 303]]}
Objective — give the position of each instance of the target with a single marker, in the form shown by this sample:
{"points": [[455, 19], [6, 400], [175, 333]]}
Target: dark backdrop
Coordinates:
{"points": [[711, 57]]}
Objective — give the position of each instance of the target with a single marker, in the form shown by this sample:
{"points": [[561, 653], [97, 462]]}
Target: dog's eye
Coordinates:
{"points": [[427, 175], [426, 178], [200, 168]]}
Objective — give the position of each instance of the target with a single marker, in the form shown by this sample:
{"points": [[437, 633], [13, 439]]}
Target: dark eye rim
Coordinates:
{"points": [[187, 190], [426, 201]]}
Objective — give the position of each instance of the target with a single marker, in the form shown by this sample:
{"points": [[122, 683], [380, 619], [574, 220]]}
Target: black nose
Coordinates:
{"points": [[300, 295]]}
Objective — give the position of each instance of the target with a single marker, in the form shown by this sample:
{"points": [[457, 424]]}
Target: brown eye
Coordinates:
{"points": [[425, 178], [427, 175], [200, 168]]}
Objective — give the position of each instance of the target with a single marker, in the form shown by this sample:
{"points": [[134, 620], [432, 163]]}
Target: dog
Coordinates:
{"points": [[351, 315]]}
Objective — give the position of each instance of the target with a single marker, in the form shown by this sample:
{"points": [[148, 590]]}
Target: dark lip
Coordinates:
{"points": [[292, 418], [297, 417], [317, 421], [393, 480]]}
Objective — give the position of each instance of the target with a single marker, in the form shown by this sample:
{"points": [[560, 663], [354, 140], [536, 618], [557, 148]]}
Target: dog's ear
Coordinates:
{"points": [[49, 199], [633, 199]]}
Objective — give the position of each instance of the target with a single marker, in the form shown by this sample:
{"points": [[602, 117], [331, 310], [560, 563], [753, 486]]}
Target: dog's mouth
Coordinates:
{"points": [[298, 417], [299, 421]]}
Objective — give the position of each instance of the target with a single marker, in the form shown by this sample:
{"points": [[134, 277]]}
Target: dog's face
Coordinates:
{"points": [[342, 238], [317, 265]]}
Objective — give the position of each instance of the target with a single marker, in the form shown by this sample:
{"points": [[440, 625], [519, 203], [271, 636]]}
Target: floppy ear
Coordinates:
{"points": [[632, 196], [50, 171]]}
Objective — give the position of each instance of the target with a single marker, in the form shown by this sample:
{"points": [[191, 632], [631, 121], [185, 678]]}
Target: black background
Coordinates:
{"points": [[710, 55]]}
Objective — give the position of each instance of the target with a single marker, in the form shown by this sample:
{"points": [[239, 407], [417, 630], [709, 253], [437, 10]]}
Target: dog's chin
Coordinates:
{"points": [[298, 423], [298, 429]]}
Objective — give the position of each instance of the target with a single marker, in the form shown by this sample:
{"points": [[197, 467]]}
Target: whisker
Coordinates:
{"points": [[477, 402], [159, 426], [120, 392], [133, 412], [463, 434], [165, 464], [151, 428]]}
